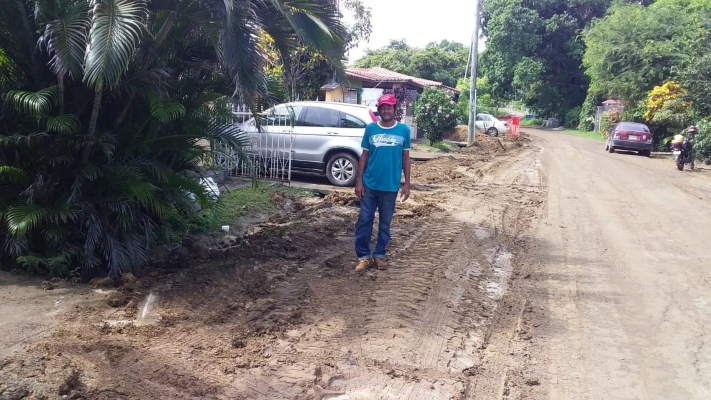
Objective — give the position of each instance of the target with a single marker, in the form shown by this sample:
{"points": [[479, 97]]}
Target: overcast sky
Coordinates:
{"points": [[430, 22]]}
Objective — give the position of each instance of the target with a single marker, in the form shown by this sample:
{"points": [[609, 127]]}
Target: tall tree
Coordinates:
{"points": [[534, 50], [443, 62]]}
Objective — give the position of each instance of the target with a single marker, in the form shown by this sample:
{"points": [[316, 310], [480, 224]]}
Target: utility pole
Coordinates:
{"points": [[475, 62]]}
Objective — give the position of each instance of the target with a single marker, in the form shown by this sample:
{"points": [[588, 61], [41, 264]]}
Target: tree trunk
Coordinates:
{"points": [[124, 111], [91, 132], [163, 33], [60, 101], [30, 37]]}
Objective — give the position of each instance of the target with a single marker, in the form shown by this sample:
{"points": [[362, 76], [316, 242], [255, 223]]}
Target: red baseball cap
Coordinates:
{"points": [[387, 99]]}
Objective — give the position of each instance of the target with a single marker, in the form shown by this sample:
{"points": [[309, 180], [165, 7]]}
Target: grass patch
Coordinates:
{"points": [[231, 206], [531, 122], [585, 134], [255, 200], [437, 147]]}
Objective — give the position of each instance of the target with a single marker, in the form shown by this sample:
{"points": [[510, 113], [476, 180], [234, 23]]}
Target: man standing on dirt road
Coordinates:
{"points": [[386, 155]]}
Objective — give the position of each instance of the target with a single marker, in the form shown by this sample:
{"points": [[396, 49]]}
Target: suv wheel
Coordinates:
{"points": [[342, 169]]}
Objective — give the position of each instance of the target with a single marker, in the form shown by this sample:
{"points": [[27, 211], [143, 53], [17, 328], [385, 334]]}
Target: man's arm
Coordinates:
{"points": [[405, 191], [359, 189]]}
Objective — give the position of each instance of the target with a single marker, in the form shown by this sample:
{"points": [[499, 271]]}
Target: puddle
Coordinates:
{"points": [[500, 259]]}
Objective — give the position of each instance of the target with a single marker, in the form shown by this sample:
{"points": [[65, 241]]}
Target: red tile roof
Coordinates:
{"points": [[378, 74]]}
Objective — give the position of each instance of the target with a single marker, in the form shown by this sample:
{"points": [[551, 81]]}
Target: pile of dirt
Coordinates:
{"points": [[459, 134], [438, 170], [342, 199]]}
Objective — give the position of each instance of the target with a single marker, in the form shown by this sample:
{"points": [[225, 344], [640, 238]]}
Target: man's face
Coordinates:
{"points": [[387, 112]]}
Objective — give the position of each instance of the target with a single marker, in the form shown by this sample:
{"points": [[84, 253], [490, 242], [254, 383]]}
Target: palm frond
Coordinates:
{"points": [[315, 22], [39, 102], [167, 112], [228, 134], [65, 33], [187, 186], [130, 182], [55, 234], [66, 124], [115, 31], [10, 174], [21, 218]]}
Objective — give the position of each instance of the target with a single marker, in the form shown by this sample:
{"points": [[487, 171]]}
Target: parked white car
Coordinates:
{"points": [[491, 125], [326, 137]]}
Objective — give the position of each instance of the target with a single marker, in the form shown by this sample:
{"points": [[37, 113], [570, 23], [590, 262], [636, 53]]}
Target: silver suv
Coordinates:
{"points": [[326, 136]]}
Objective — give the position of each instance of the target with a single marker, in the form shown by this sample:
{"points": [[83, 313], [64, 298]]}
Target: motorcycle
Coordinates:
{"points": [[683, 153]]}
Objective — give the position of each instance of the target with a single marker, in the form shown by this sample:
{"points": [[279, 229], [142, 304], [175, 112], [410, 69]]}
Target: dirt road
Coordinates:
{"points": [[624, 277]]}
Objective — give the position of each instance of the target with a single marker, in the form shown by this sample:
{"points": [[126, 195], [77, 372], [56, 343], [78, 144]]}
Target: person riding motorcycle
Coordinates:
{"points": [[686, 156]]}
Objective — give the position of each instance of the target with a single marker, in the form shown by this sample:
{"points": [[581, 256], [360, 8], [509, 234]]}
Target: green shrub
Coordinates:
{"points": [[435, 112], [531, 122], [702, 141], [608, 119], [572, 118]]}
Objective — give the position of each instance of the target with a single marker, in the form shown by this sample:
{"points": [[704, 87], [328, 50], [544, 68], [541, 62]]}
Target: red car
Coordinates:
{"points": [[631, 136]]}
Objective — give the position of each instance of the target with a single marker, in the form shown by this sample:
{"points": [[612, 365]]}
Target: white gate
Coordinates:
{"points": [[269, 153]]}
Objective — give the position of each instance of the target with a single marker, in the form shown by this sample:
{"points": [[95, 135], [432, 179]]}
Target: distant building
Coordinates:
{"points": [[364, 85]]}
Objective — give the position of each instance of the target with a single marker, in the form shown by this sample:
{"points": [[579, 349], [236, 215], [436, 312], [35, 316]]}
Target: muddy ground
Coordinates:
{"points": [[279, 313]]}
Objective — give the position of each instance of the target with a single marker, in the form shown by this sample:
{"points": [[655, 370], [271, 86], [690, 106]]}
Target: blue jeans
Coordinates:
{"points": [[385, 204]]}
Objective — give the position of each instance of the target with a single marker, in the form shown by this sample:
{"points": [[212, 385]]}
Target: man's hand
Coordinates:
{"points": [[359, 189], [405, 192]]}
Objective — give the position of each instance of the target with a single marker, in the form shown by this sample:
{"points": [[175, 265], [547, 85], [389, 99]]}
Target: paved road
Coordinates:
{"points": [[625, 250]]}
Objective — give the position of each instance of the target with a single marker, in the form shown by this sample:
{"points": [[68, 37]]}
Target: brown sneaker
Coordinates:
{"points": [[380, 263], [363, 265]]}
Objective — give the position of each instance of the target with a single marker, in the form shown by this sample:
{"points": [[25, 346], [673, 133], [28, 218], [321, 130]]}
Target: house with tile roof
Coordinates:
{"points": [[405, 87]]}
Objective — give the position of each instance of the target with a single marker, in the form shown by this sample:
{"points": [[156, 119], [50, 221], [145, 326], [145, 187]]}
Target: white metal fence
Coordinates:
{"points": [[268, 155]]}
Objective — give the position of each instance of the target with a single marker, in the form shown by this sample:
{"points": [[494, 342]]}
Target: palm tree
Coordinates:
{"points": [[105, 105]]}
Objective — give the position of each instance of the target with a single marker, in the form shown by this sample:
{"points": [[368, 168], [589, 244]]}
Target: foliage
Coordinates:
{"points": [[361, 28], [531, 122], [534, 51], [635, 112], [702, 141], [303, 70], [634, 48], [608, 119], [659, 96], [109, 110], [435, 113], [572, 118], [484, 100], [587, 112], [697, 77], [443, 62]]}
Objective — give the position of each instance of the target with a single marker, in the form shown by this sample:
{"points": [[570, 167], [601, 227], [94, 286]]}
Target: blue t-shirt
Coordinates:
{"points": [[385, 147]]}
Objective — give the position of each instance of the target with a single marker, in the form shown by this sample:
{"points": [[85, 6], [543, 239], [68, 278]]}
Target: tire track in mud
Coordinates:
{"points": [[427, 316], [406, 324]]}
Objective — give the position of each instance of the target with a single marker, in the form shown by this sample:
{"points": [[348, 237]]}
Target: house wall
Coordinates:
{"points": [[370, 96], [335, 95]]}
